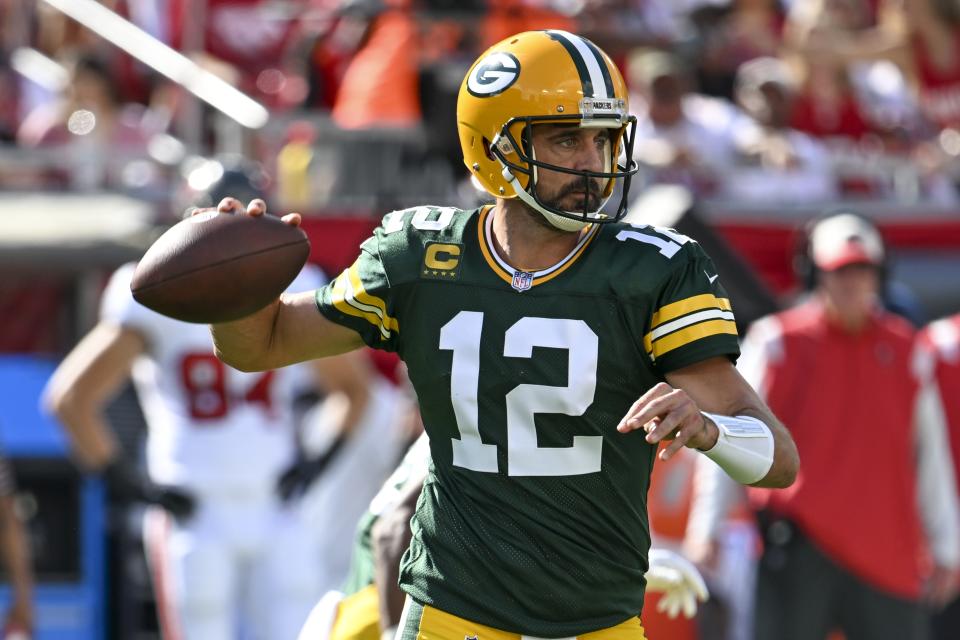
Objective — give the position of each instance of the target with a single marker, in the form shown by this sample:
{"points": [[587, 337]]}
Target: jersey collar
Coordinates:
{"points": [[517, 278]]}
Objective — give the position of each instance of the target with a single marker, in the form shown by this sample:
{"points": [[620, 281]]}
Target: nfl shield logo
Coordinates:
{"points": [[522, 280]]}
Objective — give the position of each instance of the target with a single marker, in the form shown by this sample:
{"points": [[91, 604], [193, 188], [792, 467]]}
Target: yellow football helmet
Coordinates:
{"points": [[543, 77]]}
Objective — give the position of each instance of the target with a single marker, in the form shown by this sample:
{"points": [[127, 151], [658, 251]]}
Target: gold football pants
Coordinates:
{"points": [[423, 622]]}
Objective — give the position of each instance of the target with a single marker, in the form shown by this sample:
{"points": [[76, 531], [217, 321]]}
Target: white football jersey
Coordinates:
{"points": [[211, 428]]}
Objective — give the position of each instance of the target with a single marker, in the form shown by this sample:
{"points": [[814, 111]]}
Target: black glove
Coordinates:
{"points": [[125, 484], [298, 477]]}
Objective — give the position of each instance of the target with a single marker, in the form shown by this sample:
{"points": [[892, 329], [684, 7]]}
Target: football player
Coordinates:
{"points": [[222, 543], [551, 349]]}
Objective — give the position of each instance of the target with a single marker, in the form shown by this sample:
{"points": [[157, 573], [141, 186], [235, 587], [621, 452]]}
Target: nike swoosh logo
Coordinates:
{"points": [[711, 278]]}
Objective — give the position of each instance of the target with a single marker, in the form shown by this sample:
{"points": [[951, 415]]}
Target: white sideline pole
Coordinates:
{"points": [[144, 47]]}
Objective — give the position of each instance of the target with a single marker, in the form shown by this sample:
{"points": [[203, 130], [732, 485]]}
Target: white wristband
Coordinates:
{"points": [[744, 447]]}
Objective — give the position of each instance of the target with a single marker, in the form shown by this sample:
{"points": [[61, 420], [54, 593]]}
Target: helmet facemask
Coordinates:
{"points": [[506, 145]]}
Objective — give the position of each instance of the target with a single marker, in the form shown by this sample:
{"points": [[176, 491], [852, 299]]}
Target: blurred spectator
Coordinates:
{"points": [[940, 341], [829, 104], [330, 52], [379, 86], [63, 40], [92, 123], [776, 162], [9, 101], [730, 34], [15, 550], [622, 25], [682, 137], [844, 375], [245, 41], [506, 17], [826, 106], [922, 37]]}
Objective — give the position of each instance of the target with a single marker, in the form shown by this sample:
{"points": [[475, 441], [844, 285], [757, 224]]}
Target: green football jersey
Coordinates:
{"points": [[533, 516]]}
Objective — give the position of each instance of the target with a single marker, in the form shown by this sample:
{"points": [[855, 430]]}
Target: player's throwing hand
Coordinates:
{"points": [[256, 207], [666, 413]]}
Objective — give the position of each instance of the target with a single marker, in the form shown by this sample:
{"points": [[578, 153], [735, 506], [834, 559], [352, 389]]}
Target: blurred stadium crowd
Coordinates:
{"points": [[760, 114], [756, 100]]}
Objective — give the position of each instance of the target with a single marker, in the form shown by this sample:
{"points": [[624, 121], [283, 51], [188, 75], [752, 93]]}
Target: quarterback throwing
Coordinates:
{"points": [[551, 347]]}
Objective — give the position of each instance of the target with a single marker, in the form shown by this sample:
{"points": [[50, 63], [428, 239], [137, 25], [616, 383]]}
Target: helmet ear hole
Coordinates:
{"points": [[486, 149]]}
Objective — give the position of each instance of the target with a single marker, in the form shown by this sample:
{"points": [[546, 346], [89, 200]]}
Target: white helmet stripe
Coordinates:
{"points": [[591, 60]]}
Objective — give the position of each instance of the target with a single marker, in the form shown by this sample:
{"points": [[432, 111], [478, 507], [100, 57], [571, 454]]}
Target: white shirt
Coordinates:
{"points": [[211, 428]]}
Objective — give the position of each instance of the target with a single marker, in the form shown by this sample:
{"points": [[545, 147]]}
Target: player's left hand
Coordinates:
{"points": [[678, 580], [666, 413], [125, 484], [942, 586], [296, 479]]}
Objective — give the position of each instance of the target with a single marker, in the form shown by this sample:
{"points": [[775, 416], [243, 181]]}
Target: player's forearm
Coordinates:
{"points": [[91, 439], [752, 447], [874, 44], [358, 400], [16, 553], [245, 344], [786, 459], [288, 331]]}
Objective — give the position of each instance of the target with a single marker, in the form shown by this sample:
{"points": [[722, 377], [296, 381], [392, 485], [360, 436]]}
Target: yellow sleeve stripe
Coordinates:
{"points": [[686, 321], [362, 297], [689, 334], [352, 300], [676, 309]]}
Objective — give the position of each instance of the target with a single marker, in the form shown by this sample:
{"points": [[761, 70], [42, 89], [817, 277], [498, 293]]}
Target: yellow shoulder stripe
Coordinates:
{"points": [[349, 297]]}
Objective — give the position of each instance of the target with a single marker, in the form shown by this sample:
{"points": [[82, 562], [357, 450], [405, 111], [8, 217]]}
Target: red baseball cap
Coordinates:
{"points": [[845, 239]]}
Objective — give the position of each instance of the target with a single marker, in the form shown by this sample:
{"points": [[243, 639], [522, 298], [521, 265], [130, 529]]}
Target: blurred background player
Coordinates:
{"points": [[368, 604], [729, 575], [868, 421], [351, 464], [225, 545], [15, 553], [940, 341]]}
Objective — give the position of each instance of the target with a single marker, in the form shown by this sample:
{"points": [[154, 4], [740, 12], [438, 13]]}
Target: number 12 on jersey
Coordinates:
{"points": [[462, 335]]}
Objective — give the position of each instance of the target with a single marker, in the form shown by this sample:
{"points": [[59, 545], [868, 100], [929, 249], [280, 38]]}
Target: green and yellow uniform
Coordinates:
{"points": [[533, 516]]}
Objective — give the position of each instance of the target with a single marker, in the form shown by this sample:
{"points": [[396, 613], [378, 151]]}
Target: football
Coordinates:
{"points": [[218, 267]]}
